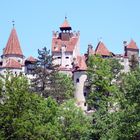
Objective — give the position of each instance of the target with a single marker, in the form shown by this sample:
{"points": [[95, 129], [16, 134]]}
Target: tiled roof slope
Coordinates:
{"points": [[13, 45], [80, 63], [132, 45], [101, 49], [11, 63], [58, 43], [65, 24], [31, 59]]}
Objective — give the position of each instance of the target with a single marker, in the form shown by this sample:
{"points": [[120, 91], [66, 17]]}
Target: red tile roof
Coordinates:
{"points": [[102, 50], [13, 45], [31, 59], [58, 43], [65, 24], [132, 45], [80, 63], [11, 63]]}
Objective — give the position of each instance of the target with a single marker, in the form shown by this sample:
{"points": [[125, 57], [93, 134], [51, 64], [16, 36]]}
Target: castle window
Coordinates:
{"points": [[85, 104], [77, 80], [67, 57], [66, 65], [19, 61], [59, 57], [85, 94]]}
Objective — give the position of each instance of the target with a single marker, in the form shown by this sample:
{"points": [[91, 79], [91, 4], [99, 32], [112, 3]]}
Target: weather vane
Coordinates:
{"points": [[13, 23], [65, 16]]}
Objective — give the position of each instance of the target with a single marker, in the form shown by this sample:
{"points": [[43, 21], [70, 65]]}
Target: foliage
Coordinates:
{"points": [[101, 87], [44, 72], [25, 115], [117, 103], [130, 105], [133, 62], [48, 80], [74, 124], [62, 88], [103, 95]]}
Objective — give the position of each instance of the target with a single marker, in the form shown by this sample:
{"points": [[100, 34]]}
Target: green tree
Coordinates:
{"points": [[44, 72], [133, 62], [103, 95], [49, 81], [116, 67], [129, 125], [62, 88], [74, 124], [25, 115]]}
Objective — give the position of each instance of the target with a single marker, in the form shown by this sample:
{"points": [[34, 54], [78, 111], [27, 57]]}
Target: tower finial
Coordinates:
{"points": [[13, 23], [65, 16]]}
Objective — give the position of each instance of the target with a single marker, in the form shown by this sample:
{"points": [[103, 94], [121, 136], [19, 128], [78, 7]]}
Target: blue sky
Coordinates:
{"points": [[112, 20]]}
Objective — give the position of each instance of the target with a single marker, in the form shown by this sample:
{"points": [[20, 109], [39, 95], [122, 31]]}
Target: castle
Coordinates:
{"points": [[66, 51]]}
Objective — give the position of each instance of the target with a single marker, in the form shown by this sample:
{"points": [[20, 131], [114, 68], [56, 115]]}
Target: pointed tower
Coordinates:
{"points": [[65, 30], [12, 57], [79, 77], [102, 50], [131, 49], [13, 46]]}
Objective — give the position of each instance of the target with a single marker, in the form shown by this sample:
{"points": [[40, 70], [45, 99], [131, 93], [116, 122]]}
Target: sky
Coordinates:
{"points": [[112, 21]]}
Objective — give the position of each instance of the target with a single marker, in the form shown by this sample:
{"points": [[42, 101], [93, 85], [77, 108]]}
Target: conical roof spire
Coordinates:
{"points": [[102, 50], [13, 45], [65, 25], [132, 45]]}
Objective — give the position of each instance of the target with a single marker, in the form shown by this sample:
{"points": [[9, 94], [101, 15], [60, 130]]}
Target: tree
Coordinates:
{"points": [[103, 95], [62, 88], [44, 72], [116, 67], [100, 76], [74, 124], [117, 114], [133, 62], [129, 125], [48, 80], [26, 115]]}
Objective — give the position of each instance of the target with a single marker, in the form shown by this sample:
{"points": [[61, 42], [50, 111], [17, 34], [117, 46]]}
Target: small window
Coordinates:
{"points": [[59, 57], [66, 65], [85, 94], [77, 80], [85, 104], [67, 57], [18, 60]]}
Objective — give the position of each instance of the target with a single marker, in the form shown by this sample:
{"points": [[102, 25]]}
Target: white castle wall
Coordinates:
{"points": [[14, 71], [79, 80]]}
